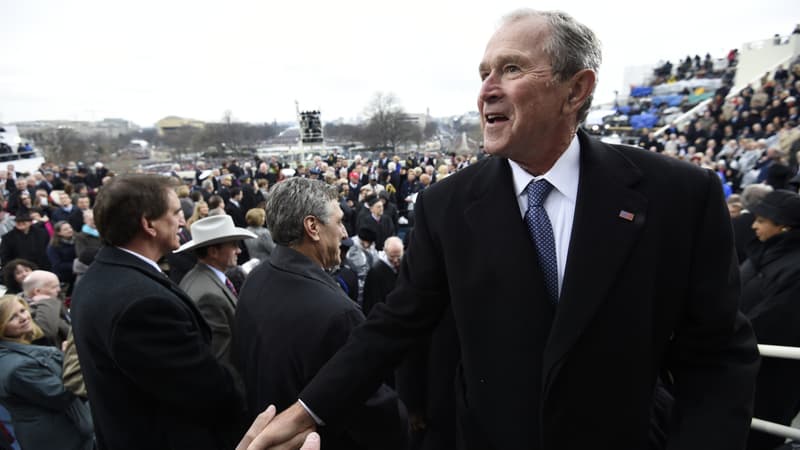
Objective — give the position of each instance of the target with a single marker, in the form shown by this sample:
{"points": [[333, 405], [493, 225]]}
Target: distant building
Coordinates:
{"points": [[173, 123], [106, 127]]}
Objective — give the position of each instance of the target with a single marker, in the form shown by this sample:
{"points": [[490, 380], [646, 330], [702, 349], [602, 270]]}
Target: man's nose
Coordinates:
{"points": [[490, 89]]}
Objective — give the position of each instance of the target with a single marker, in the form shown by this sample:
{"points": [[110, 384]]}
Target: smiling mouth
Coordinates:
{"points": [[495, 118]]}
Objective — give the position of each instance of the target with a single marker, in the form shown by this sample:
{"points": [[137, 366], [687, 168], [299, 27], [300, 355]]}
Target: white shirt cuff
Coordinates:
{"points": [[311, 413]]}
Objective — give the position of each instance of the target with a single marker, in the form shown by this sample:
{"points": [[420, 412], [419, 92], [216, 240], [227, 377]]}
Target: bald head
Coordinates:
{"points": [[41, 283], [393, 247]]}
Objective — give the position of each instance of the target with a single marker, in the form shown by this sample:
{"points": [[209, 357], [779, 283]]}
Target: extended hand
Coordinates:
{"points": [[286, 432]]}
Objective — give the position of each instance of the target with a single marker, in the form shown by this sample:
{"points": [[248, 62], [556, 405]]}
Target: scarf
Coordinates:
{"points": [[90, 231]]}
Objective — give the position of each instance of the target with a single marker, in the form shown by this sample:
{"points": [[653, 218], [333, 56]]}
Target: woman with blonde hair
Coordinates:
{"points": [[44, 414], [200, 211], [263, 245]]}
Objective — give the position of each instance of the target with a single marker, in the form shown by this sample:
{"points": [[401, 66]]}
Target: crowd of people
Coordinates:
{"points": [[426, 302]]}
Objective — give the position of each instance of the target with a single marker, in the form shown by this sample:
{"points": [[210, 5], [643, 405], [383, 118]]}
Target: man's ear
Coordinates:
{"points": [[311, 227], [147, 226], [581, 86]]}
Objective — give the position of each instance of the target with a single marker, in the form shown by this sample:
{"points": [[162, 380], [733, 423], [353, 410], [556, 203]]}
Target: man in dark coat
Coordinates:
{"points": [[234, 208], [376, 219], [568, 303], [292, 317], [27, 241], [144, 348], [382, 275]]}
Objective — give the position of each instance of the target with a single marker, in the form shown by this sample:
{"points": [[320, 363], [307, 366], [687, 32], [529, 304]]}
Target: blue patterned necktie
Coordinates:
{"points": [[541, 232]]}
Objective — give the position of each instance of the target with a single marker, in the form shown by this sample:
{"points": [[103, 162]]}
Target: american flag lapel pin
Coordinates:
{"points": [[627, 215]]}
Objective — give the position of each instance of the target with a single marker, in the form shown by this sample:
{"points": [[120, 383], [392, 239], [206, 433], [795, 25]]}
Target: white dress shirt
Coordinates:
{"points": [[143, 258], [560, 203]]}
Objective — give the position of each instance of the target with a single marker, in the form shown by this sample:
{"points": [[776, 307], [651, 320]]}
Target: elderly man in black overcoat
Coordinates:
{"points": [[577, 272]]}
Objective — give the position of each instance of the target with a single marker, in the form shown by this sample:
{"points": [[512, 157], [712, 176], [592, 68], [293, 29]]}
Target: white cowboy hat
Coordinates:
{"points": [[213, 230]]}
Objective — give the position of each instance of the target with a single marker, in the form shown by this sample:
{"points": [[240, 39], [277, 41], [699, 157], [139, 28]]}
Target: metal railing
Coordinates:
{"points": [[777, 351]]}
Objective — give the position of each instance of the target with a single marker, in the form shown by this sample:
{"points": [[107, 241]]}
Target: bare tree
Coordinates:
{"points": [[181, 139], [59, 144], [387, 124]]}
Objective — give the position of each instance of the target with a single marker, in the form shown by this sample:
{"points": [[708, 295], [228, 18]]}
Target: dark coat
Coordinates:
{"points": [[770, 295], [74, 217], [379, 282], [146, 357], [31, 246], [292, 317], [61, 258], [658, 291], [237, 213], [32, 390], [743, 233]]}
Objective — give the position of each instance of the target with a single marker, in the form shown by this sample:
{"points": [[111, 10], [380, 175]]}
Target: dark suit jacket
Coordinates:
{"points": [[379, 282], [656, 292], [743, 233], [236, 213], [292, 317], [31, 246], [145, 353]]}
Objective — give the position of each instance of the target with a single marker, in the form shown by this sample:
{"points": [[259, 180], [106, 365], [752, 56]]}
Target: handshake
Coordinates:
{"points": [[251, 441]]}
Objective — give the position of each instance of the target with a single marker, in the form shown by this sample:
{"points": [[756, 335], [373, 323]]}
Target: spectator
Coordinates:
{"points": [[61, 253], [66, 211], [44, 414], [215, 242], [382, 275], [187, 205], [200, 211], [278, 357], [14, 272], [27, 241], [770, 289], [262, 246], [41, 290], [146, 355], [88, 238]]}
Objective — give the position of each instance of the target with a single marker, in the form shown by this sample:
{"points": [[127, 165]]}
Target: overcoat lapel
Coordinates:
{"points": [[115, 256], [503, 240], [609, 215]]}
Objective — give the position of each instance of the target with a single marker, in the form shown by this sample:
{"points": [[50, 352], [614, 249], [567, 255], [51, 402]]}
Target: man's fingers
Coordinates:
{"points": [[262, 420], [292, 444], [311, 442]]}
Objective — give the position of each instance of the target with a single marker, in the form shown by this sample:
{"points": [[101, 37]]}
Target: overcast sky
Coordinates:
{"points": [[145, 59]]}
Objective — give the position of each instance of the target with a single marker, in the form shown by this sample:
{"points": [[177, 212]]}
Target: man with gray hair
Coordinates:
{"points": [[292, 316], [577, 272]]}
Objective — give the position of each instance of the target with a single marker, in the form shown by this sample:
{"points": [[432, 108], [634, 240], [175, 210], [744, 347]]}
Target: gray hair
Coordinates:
{"points": [[291, 201], [572, 47], [753, 194]]}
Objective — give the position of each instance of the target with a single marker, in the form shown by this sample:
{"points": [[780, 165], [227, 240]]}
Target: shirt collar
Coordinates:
{"points": [[222, 277], [563, 175], [143, 258]]}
